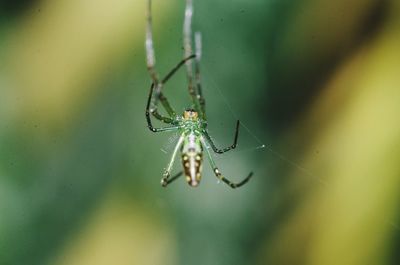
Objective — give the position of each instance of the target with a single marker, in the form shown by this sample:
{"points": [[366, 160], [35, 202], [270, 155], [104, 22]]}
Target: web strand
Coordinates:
{"points": [[261, 145]]}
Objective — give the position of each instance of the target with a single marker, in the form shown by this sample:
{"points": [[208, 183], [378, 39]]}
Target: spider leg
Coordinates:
{"points": [[151, 60], [226, 149], [150, 55], [187, 43], [218, 173], [199, 92], [162, 98], [148, 117], [166, 180], [157, 85], [165, 183], [176, 68], [188, 50]]}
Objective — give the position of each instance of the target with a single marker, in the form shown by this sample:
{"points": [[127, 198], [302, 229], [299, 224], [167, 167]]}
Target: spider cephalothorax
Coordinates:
{"points": [[190, 114], [192, 125]]}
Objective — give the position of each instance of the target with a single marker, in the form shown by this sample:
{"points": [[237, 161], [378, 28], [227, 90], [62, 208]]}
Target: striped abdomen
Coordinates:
{"points": [[192, 158]]}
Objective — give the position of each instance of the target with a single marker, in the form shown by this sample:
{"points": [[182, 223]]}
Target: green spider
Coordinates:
{"points": [[192, 125]]}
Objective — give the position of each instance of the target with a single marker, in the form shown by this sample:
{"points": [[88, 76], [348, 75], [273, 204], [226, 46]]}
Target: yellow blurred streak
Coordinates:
{"points": [[355, 122], [122, 233], [359, 205], [61, 50]]}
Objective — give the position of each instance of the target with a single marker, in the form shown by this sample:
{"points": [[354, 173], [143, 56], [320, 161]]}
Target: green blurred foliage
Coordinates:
{"points": [[313, 80]]}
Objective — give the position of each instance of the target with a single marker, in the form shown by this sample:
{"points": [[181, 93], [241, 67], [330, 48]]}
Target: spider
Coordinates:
{"points": [[192, 124]]}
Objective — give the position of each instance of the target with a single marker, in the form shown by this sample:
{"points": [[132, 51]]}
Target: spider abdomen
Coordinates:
{"points": [[192, 158]]}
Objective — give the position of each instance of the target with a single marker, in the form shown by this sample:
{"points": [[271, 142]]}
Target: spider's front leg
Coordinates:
{"points": [[199, 92], [159, 96], [194, 85], [148, 118], [156, 84]]}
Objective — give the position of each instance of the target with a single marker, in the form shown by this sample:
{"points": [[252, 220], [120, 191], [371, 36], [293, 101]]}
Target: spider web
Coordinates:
{"points": [[394, 224], [259, 144]]}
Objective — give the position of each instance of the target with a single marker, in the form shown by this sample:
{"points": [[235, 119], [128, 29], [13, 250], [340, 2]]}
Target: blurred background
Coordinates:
{"points": [[316, 81]]}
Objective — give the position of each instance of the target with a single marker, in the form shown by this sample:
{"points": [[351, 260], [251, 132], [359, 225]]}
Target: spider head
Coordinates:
{"points": [[190, 114]]}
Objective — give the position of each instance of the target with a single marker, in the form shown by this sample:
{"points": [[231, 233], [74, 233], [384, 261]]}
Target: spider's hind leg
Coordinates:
{"points": [[166, 181], [226, 149], [231, 184], [218, 173]]}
